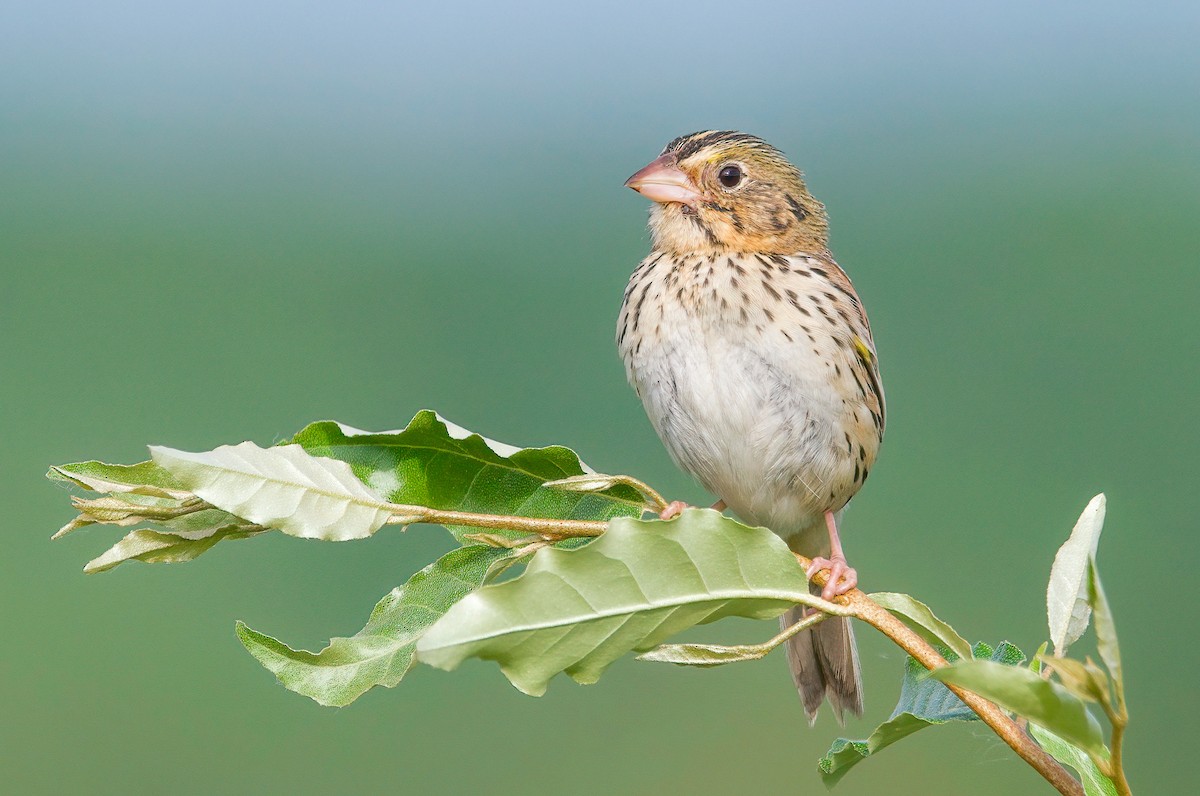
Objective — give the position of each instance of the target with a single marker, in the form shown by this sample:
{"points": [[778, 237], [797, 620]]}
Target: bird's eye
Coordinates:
{"points": [[730, 176]]}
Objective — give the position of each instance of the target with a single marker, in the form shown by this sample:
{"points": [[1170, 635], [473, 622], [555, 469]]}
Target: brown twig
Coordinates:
{"points": [[1009, 731], [863, 608]]}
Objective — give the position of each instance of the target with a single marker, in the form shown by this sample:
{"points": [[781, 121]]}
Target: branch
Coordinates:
{"points": [[1010, 732], [861, 607]]}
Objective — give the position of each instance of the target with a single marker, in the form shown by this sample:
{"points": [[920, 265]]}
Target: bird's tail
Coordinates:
{"points": [[824, 664]]}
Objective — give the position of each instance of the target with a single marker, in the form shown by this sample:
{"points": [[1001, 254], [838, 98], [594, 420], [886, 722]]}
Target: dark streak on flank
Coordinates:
{"points": [[637, 311], [861, 390], [848, 293], [872, 371]]}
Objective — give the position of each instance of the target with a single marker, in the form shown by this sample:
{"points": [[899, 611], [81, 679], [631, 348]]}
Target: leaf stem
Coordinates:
{"points": [[882, 620], [1118, 718], [858, 604], [546, 528], [804, 624], [653, 498]]}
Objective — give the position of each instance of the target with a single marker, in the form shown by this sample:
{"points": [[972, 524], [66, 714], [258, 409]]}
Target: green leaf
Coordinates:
{"points": [[579, 610], [154, 547], [283, 487], [117, 509], [434, 463], [709, 655], [146, 493], [383, 651], [1028, 695], [127, 508], [588, 482], [1035, 661], [705, 655], [144, 478], [1106, 633], [923, 703], [1085, 680], [922, 620], [1067, 609], [1094, 782], [180, 539]]}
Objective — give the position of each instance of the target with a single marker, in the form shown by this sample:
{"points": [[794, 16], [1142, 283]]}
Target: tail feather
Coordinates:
{"points": [[824, 664]]}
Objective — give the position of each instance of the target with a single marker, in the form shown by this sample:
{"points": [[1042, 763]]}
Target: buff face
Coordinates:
{"points": [[719, 191]]}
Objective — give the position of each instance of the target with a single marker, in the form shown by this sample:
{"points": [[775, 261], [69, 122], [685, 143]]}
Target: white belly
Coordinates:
{"points": [[756, 419]]}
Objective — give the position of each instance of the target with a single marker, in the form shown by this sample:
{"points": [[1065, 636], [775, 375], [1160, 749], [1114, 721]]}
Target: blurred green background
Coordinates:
{"points": [[220, 221]]}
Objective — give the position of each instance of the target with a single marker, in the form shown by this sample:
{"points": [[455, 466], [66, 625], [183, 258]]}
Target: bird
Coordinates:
{"points": [[753, 357]]}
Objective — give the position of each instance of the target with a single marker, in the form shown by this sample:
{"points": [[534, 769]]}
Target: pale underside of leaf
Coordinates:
{"points": [[453, 430], [383, 651], [1028, 695], [155, 547], [1085, 680], [282, 487], [579, 610], [705, 655], [922, 620], [434, 463], [1106, 633], [144, 478], [1094, 782], [129, 508], [1067, 609], [923, 703]]}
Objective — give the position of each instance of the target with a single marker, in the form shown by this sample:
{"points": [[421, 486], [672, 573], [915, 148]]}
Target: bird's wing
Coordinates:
{"points": [[846, 312]]}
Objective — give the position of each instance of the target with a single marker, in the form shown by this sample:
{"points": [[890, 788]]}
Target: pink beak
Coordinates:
{"points": [[663, 181]]}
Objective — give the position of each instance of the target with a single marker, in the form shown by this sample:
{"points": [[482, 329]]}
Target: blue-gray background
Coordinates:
{"points": [[219, 221]]}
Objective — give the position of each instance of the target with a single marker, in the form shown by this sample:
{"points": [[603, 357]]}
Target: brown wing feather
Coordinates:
{"points": [[861, 340]]}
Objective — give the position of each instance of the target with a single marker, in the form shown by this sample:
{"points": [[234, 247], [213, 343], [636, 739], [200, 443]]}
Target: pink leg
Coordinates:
{"points": [[676, 507], [841, 577]]}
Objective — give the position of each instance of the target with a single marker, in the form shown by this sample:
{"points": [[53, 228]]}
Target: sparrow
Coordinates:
{"points": [[753, 357]]}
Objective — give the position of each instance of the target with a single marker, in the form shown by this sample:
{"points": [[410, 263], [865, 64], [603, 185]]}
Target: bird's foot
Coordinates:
{"points": [[673, 510], [676, 507], [842, 578]]}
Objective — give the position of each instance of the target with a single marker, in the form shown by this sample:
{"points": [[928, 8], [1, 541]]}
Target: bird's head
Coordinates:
{"points": [[719, 190]]}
